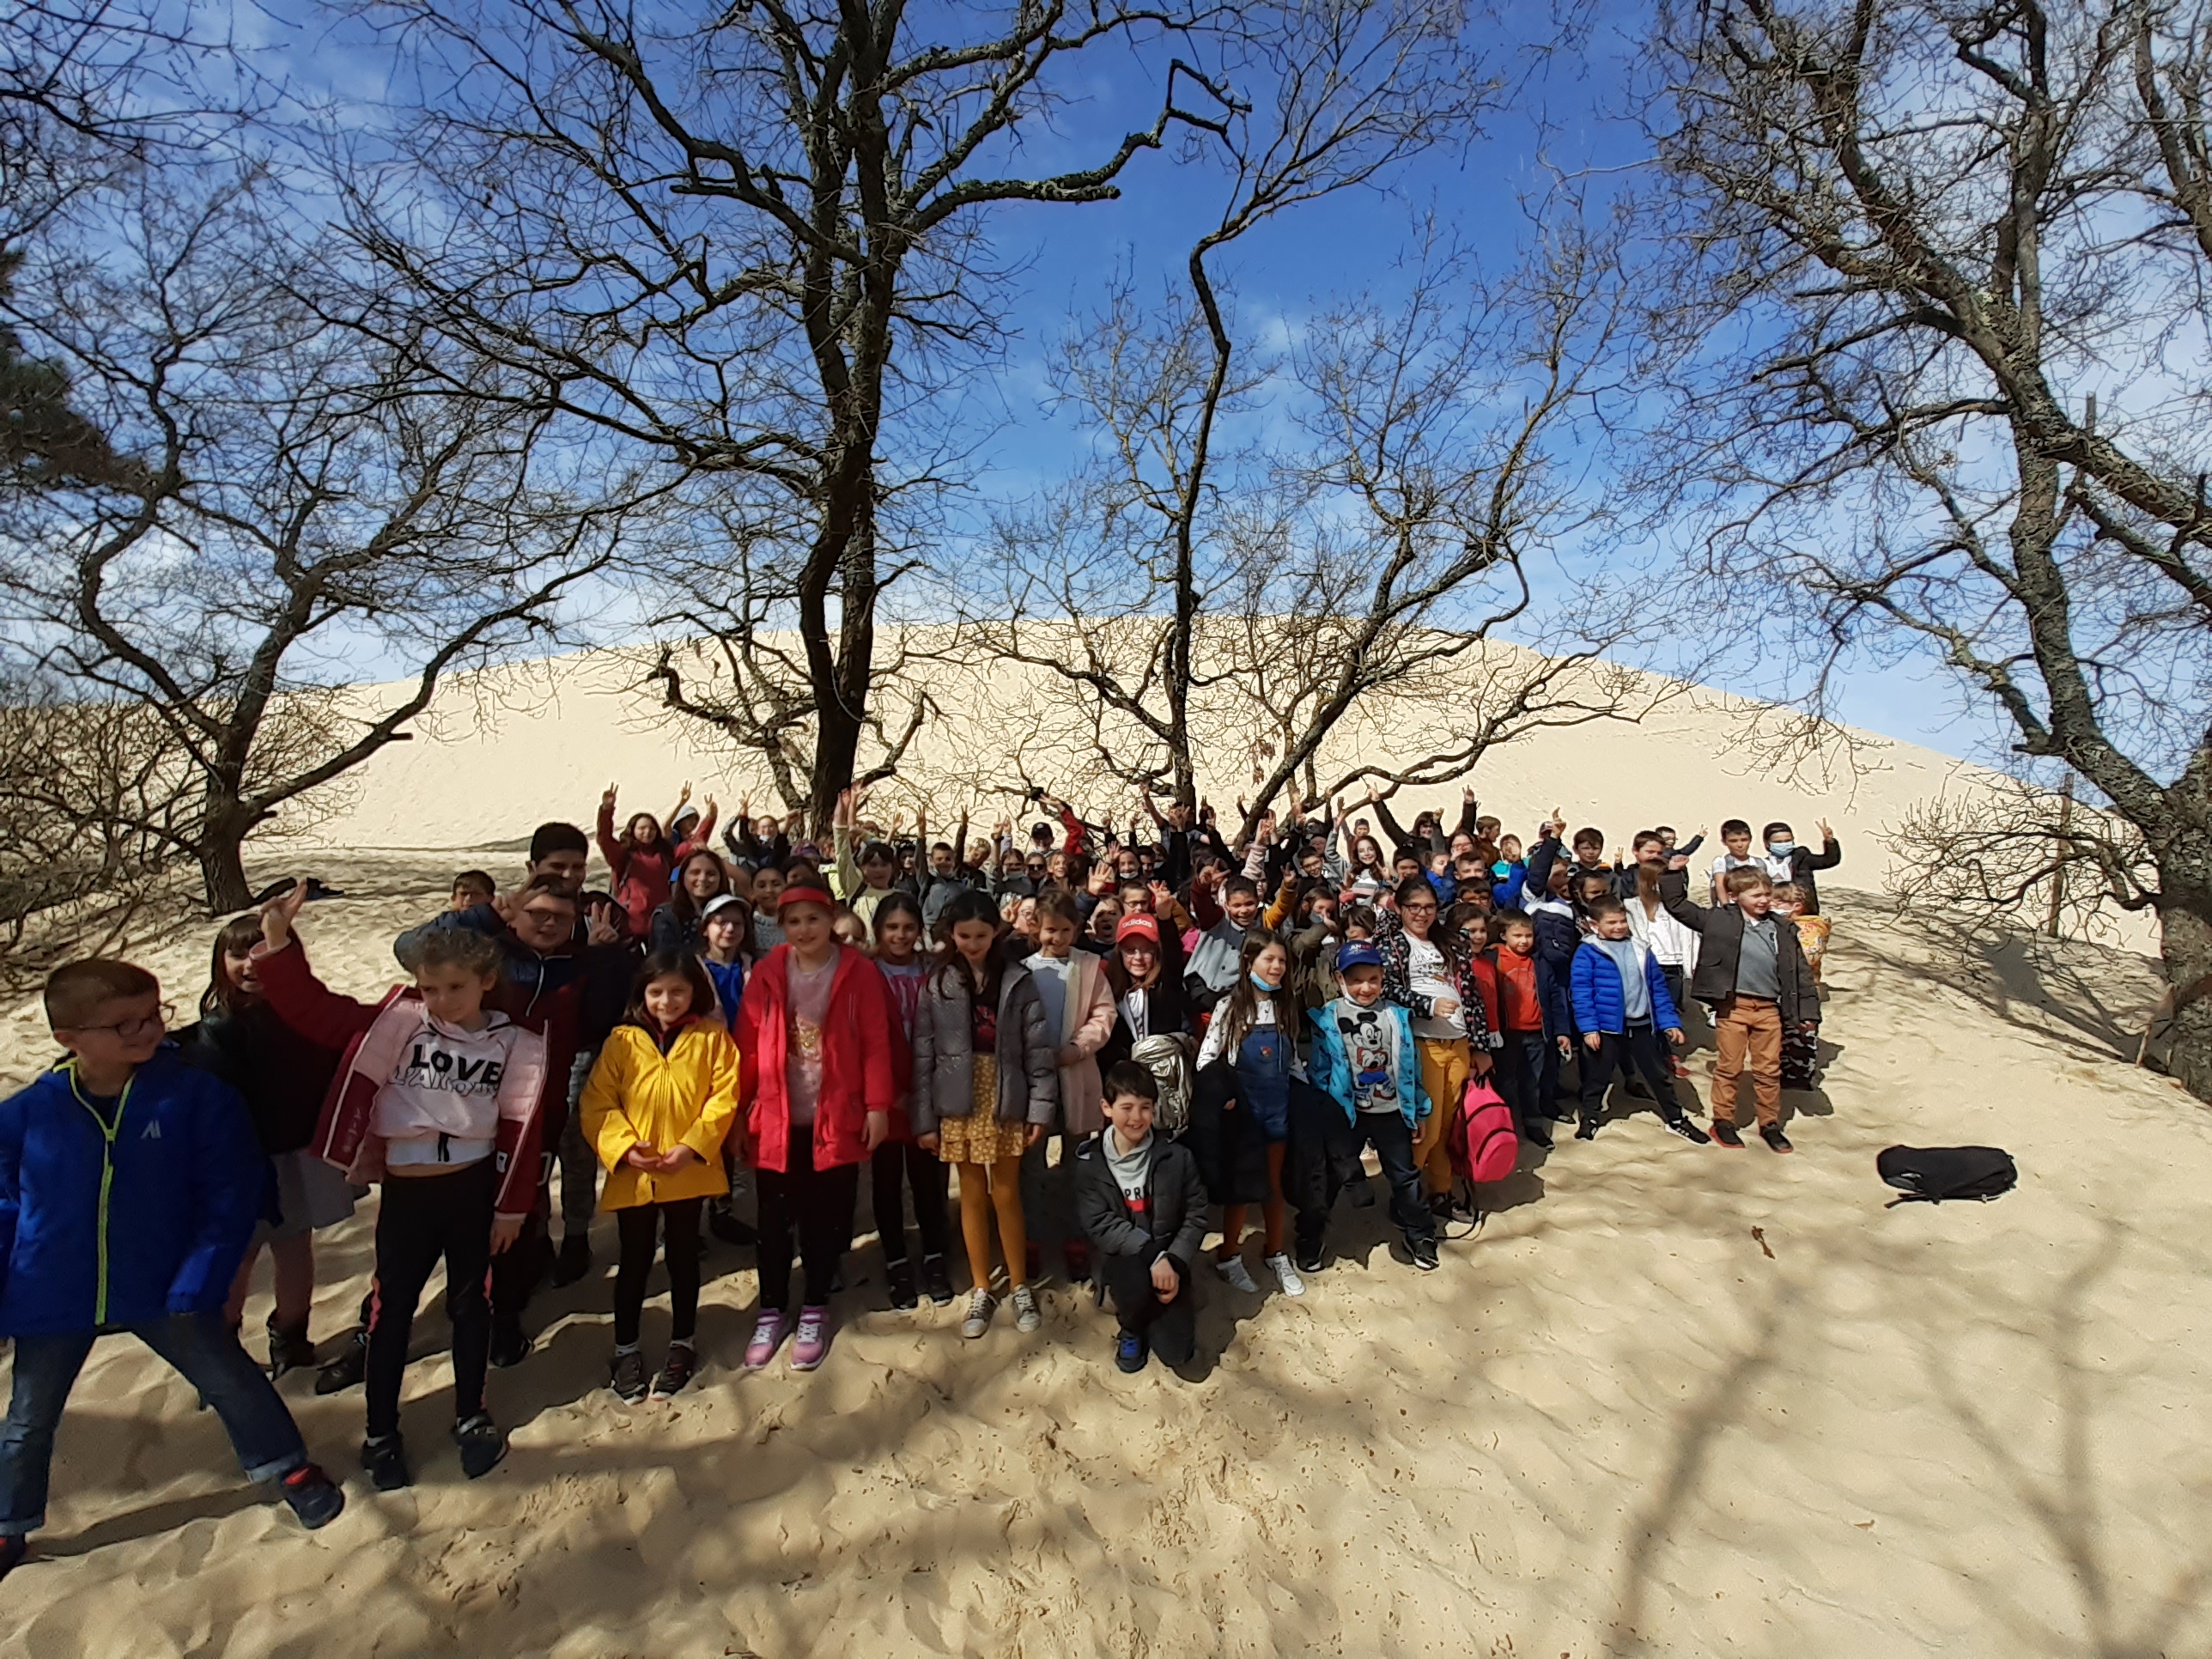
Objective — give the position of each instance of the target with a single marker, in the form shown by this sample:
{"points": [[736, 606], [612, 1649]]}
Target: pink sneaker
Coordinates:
{"points": [[768, 1336], [811, 1345]]}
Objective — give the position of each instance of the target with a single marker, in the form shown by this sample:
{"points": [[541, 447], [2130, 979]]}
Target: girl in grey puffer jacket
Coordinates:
{"points": [[985, 1081]]}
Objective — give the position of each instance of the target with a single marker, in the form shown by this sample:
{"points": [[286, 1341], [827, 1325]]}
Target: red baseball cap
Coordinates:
{"points": [[1138, 925]]}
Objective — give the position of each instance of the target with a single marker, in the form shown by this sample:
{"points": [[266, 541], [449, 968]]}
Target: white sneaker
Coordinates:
{"points": [[1287, 1275], [1026, 1317], [980, 1306], [1238, 1275]]}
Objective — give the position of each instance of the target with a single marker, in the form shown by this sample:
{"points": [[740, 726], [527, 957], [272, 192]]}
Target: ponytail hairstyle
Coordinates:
{"points": [[969, 905], [680, 962], [1241, 1007], [233, 939]]}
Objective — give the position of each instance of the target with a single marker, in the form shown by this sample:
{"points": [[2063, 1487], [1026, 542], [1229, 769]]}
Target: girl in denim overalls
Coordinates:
{"points": [[1255, 1030]]}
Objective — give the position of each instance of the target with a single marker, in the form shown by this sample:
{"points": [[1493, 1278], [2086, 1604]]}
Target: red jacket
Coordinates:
{"points": [[1482, 974], [322, 1015], [642, 875], [860, 1041]]}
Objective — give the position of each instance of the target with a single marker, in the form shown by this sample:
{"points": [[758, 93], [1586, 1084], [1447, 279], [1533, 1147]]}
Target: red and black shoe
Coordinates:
{"points": [[14, 1547], [1726, 1134]]}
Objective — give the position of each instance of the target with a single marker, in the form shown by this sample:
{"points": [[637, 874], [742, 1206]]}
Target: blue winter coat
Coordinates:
{"points": [[124, 1229], [1600, 1004], [1328, 1068]]}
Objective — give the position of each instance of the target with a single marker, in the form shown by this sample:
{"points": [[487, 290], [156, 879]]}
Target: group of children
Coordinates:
{"points": [[1197, 1026]]}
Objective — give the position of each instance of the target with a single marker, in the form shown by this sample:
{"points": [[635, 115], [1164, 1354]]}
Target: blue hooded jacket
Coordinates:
{"points": [[1328, 1068], [101, 1229], [1601, 1005]]}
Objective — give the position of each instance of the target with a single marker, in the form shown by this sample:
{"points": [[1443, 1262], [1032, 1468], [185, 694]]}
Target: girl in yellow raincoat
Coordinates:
{"points": [[660, 1102]]}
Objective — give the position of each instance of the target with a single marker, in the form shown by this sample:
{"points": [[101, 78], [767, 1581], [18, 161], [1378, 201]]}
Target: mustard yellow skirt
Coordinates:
{"points": [[979, 1138]]}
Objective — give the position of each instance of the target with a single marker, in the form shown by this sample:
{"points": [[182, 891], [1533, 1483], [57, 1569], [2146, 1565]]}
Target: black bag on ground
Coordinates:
{"points": [[1937, 1173]]}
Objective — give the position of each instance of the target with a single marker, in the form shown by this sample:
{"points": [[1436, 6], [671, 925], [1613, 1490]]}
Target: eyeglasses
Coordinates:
{"points": [[129, 1028]]}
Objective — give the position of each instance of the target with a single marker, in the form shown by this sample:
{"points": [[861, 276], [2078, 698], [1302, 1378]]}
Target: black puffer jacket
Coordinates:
{"points": [[1175, 1203]]}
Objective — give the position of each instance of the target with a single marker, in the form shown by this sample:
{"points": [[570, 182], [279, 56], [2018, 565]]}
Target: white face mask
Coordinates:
{"points": [[1781, 849]]}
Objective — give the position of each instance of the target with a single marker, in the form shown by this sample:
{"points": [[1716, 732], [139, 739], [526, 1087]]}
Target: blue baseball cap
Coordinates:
{"points": [[1357, 954]]}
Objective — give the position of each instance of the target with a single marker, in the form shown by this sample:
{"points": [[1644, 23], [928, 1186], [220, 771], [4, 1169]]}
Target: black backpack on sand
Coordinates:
{"points": [[1935, 1173]]}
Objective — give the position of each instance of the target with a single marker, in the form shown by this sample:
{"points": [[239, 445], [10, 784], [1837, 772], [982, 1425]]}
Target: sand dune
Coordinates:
{"points": [[1670, 1401], [501, 751]]}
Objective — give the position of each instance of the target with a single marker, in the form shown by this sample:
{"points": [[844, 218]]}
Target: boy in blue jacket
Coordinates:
{"points": [[130, 1184], [1363, 1059], [1621, 1010]]}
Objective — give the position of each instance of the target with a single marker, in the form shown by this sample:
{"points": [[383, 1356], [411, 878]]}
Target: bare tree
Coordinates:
{"points": [[1343, 603], [1947, 230], [314, 503], [747, 240], [90, 91]]}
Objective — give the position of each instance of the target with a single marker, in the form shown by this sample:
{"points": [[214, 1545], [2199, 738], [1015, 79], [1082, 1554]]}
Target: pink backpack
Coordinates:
{"points": [[1480, 1141]]}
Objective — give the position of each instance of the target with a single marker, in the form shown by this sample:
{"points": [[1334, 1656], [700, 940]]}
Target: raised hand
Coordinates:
{"points": [[1826, 834], [607, 798], [684, 795], [280, 913], [599, 925]]}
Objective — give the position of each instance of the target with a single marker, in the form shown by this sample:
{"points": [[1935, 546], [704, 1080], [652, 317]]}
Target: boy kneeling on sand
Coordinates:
{"points": [[130, 1184], [1140, 1199]]}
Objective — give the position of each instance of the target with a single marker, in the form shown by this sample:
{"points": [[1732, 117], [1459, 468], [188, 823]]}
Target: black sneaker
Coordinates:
{"points": [[1772, 1135], [1689, 1132], [723, 1222], [1310, 1258], [627, 1377], [288, 1351], [1131, 1352], [314, 1496], [898, 1280], [1726, 1134], [481, 1446], [936, 1284], [574, 1261], [675, 1373], [1425, 1254], [509, 1346], [13, 1548], [385, 1459], [1587, 1129], [344, 1368]]}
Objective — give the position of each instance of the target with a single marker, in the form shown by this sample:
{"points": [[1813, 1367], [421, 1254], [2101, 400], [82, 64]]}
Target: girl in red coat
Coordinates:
{"points": [[641, 864], [817, 1039]]}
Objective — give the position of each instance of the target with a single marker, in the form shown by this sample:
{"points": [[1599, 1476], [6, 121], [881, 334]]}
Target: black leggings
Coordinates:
{"points": [[420, 1219], [895, 1161], [635, 1227], [811, 1207]]}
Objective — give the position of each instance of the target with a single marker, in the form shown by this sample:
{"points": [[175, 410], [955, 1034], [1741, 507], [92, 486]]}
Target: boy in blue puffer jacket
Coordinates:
{"points": [[130, 1184], [1621, 1009]]}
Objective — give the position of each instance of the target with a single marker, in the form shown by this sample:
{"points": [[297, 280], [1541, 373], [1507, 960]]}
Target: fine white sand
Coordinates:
{"points": [[1670, 1401]]}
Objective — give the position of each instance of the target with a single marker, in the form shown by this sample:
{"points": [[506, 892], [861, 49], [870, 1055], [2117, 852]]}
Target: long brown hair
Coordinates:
{"points": [[970, 905], [1240, 1008], [681, 904], [682, 964]]}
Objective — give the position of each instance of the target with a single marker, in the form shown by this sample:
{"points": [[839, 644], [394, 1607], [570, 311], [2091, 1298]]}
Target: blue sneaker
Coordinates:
{"points": [[1131, 1352]]}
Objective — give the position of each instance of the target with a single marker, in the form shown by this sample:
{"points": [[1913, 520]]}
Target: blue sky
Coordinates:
{"points": [[1567, 116]]}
